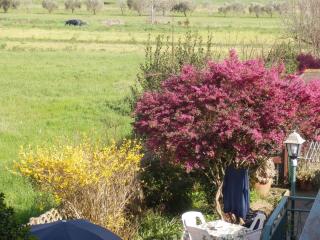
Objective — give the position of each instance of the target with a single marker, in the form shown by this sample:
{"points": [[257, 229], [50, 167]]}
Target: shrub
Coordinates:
{"points": [[308, 172], [307, 61], [156, 226], [72, 5], [9, 227], [90, 182], [50, 5], [94, 5]]}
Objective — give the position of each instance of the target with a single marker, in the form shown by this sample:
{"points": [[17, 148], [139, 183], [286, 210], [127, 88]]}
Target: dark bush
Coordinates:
{"points": [[166, 187], [307, 61], [10, 229]]}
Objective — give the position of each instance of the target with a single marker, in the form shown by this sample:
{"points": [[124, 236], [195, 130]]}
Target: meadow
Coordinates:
{"points": [[59, 81]]}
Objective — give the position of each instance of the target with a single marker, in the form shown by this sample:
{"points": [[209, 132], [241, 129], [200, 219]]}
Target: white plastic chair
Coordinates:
{"points": [[261, 218], [189, 219], [254, 235], [196, 233]]}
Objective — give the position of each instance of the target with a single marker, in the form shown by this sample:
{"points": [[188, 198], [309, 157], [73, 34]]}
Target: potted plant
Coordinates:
{"points": [[263, 177], [307, 176]]}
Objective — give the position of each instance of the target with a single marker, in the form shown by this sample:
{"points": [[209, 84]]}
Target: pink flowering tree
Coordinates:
{"points": [[230, 113], [308, 120]]}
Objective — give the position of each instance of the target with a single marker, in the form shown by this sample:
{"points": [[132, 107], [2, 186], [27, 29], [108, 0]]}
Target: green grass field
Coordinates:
{"points": [[57, 81]]}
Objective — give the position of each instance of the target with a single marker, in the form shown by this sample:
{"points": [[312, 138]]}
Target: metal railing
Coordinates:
{"points": [[287, 219]]}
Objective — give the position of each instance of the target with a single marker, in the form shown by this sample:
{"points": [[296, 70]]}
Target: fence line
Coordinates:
{"points": [[313, 152]]}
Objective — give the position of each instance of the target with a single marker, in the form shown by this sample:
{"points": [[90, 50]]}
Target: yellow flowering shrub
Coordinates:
{"points": [[87, 181]]}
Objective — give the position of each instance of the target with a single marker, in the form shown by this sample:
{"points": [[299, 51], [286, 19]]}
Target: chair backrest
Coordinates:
{"points": [[196, 233], [260, 217], [189, 219], [254, 235]]}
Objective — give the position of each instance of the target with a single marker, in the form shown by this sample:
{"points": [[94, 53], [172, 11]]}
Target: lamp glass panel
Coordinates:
{"points": [[289, 149], [294, 149]]}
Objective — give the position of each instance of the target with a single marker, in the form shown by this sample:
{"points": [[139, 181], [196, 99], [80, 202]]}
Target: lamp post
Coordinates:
{"points": [[293, 144]]}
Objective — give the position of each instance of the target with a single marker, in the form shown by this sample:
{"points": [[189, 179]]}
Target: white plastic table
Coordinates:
{"points": [[222, 230]]}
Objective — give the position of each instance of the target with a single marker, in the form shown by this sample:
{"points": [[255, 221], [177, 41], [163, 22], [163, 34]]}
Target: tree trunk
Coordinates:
{"points": [[217, 200]]}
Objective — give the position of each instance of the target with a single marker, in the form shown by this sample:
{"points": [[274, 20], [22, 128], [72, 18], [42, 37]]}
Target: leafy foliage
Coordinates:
{"points": [[9, 226], [89, 182], [157, 226]]}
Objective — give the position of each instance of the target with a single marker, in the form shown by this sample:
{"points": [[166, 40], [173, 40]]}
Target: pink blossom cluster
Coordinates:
{"points": [[307, 61], [231, 109]]}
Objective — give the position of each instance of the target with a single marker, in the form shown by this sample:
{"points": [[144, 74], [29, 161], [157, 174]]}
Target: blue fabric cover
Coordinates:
{"points": [[72, 230], [235, 191]]}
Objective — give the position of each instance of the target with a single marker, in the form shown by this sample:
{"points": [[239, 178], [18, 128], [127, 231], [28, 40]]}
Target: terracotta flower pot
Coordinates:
{"points": [[263, 189], [305, 185]]}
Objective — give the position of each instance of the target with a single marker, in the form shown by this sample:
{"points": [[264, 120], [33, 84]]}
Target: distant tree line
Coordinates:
{"points": [[151, 7], [254, 8], [155, 7]]}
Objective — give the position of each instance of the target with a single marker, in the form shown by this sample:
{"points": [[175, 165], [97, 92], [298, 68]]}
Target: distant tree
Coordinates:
{"points": [[94, 5], [256, 9], [139, 6], [208, 5], [5, 5], [237, 7], [268, 9], [122, 5], [303, 22], [26, 4], [16, 4], [50, 5], [72, 5], [165, 5], [129, 4], [224, 10], [184, 7]]}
